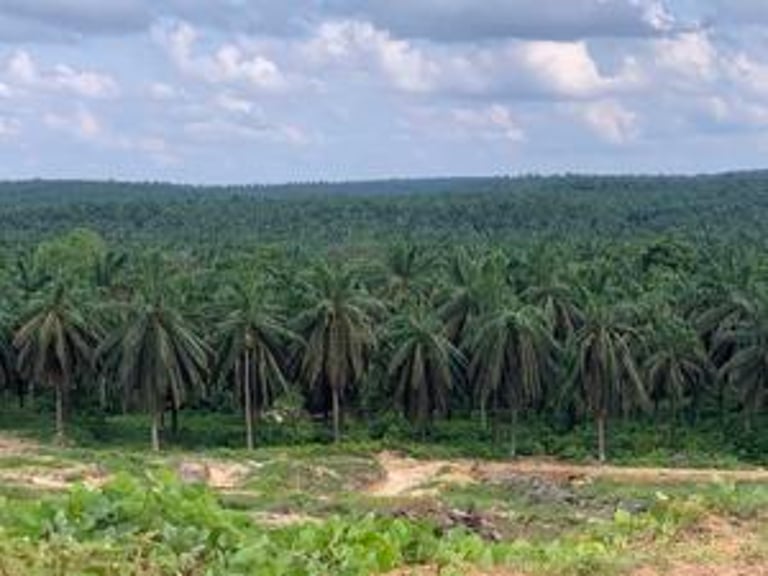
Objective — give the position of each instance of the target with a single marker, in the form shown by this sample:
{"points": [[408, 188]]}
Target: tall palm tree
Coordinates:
{"points": [[337, 328], [678, 365], [511, 353], [155, 351], [477, 287], [424, 367], [7, 359], [559, 303], [55, 344], [253, 341], [404, 276], [605, 375], [747, 368]]}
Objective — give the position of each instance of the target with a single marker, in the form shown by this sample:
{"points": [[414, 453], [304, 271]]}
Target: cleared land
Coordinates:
{"points": [[533, 516]]}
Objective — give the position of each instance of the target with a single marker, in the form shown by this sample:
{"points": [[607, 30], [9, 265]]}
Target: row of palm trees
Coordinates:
{"points": [[543, 347]]}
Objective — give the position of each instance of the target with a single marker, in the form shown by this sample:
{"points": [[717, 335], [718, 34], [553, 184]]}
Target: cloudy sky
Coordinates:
{"points": [[276, 90]]}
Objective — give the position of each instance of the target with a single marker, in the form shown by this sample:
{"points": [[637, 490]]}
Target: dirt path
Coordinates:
{"points": [[407, 476], [410, 476]]}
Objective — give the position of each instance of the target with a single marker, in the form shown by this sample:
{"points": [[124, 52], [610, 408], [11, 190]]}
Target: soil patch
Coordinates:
{"points": [[410, 477]]}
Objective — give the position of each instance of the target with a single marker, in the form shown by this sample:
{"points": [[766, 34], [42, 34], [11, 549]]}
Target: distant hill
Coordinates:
{"points": [[582, 207]]}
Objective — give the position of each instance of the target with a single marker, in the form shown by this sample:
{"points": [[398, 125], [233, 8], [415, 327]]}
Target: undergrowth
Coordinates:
{"points": [[155, 526]]}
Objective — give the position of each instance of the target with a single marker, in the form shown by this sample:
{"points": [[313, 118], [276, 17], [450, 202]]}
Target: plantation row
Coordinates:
{"points": [[570, 332]]}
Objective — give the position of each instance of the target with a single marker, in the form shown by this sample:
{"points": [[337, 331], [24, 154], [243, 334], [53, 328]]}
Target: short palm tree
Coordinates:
{"points": [[252, 344], [511, 354], [605, 374], [155, 351], [337, 328], [55, 344], [424, 367]]}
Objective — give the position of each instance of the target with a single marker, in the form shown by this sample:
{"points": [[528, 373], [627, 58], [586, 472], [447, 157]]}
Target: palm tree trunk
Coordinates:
{"points": [[59, 412], [103, 393], [601, 437], [483, 416], [174, 420], [673, 423], [21, 392], [513, 437], [248, 401], [336, 414], [156, 416], [747, 421]]}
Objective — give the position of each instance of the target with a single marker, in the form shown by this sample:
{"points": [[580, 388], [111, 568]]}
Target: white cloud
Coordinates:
{"points": [[690, 56], [82, 124], [562, 69], [360, 45], [9, 127], [751, 74], [22, 69], [225, 130], [609, 120], [232, 103], [735, 112], [568, 68], [493, 122], [162, 91], [228, 63]]}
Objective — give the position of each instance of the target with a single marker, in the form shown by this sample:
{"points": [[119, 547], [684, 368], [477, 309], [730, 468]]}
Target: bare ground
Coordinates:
{"points": [[409, 477]]}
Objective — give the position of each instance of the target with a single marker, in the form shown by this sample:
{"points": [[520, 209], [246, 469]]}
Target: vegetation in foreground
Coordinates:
{"points": [[319, 511]]}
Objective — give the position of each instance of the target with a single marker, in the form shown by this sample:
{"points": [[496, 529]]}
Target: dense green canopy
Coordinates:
{"points": [[567, 299]]}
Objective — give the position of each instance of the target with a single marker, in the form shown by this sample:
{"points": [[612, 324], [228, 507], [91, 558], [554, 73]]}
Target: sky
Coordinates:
{"points": [[259, 91]]}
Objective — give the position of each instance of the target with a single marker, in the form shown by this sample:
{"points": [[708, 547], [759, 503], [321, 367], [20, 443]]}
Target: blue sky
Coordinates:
{"points": [[230, 91]]}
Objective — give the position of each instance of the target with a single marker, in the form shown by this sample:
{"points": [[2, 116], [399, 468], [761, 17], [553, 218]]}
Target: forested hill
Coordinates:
{"points": [[582, 207]]}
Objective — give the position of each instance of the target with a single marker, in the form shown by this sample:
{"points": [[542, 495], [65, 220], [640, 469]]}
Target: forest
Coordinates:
{"points": [[592, 319]]}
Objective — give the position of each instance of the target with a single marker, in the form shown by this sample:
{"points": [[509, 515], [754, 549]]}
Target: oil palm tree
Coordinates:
{"points": [[403, 274], [511, 354], [747, 368], [424, 367], [559, 303], [338, 331], [476, 288], [7, 359], [253, 341], [153, 350], [605, 372], [55, 344], [678, 366]]}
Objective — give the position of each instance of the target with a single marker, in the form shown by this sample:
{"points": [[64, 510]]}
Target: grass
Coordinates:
{"points": [[710, 443], [145, 523]]}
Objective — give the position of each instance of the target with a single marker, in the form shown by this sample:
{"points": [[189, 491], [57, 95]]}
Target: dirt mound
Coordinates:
{"points": [[218, 474]]}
